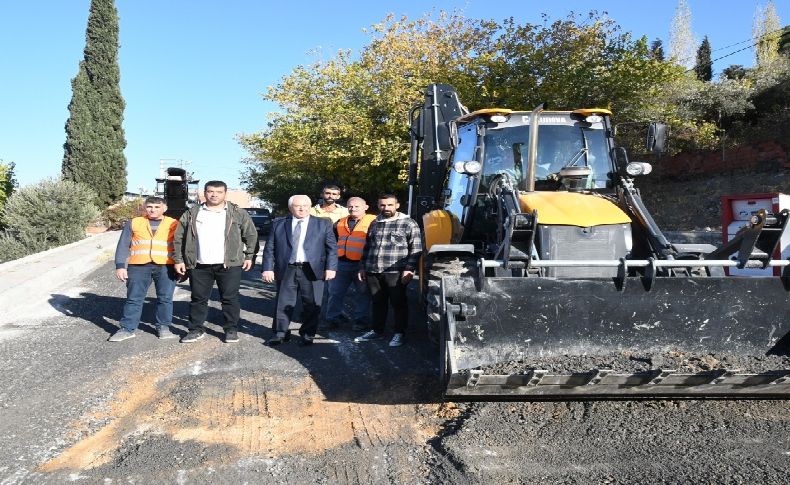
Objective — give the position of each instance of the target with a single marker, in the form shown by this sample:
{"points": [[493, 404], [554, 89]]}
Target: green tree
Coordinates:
{"points": [[345, 119], [49, 214], [681, 37], [734, 71], [704, 67], [93, 152], [767, 30], [7, 181], [784, 41], [657, 49]]}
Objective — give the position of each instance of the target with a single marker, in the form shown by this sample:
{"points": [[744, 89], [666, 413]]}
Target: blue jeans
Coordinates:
{"points": [[140, 277], [347, 276]]}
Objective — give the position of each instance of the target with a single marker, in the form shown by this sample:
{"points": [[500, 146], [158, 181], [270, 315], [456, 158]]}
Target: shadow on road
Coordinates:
{"points": [[344, 371], [369, 372], [105, 311]]}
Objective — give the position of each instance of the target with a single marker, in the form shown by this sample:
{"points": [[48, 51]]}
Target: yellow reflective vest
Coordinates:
{"points": [[147, 247], [350, 243]]}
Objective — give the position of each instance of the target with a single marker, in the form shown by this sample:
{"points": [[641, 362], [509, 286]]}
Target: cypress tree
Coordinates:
{"points": [[657, 50], [704, 67], [93, 152]]}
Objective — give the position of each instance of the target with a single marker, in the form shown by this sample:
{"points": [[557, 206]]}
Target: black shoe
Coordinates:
{"points": [[305, 341], [193, 336], [279, 338], [231, 336]]}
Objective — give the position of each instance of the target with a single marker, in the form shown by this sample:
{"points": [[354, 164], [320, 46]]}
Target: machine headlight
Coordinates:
{"points": [[638, 168], [593, 119], [498, 118], [470, 167]]}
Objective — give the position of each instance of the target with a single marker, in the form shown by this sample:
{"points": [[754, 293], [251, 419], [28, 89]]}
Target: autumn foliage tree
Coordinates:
{"points": [[346, 119]]}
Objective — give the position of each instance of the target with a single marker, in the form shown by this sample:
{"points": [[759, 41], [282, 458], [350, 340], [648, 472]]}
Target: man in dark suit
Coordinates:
{"points": [[300, 255]]}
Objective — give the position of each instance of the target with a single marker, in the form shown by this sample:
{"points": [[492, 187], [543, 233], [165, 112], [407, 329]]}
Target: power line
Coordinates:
{"points": [[742, 49], [750, 39], [759, 39]]}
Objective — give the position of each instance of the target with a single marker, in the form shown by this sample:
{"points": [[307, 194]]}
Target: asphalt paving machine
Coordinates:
{"points": [[179, 190], [545, 276]]}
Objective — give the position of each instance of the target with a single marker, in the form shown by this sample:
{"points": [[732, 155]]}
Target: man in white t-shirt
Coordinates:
{"points": [[214, 242]]}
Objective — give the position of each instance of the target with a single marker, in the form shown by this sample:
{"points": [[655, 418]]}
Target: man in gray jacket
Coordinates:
{"points": [[214, 242]]}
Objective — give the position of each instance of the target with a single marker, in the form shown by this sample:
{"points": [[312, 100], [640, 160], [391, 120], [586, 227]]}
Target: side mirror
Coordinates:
{"points": [[657, 138]]}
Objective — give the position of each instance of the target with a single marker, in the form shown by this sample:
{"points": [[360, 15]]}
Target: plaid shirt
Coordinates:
{"points": [[393, 245]]}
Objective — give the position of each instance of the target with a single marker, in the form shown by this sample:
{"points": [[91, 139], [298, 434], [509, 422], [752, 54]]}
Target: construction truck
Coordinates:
{"points": [[179, 190], [545, 276]]}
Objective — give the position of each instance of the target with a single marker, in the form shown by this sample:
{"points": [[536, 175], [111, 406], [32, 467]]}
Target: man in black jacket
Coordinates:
{"points": [[214, 241]]}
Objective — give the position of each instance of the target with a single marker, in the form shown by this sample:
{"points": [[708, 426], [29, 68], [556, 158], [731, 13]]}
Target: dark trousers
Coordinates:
{"points": [[385, 289], [294, 285], [201, 281]]}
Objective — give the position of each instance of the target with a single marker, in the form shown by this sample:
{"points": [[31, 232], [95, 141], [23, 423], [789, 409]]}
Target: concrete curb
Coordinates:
{"points": [[29, 282]]}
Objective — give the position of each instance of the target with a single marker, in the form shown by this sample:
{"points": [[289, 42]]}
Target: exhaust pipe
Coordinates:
{"points": [[532, 155]]}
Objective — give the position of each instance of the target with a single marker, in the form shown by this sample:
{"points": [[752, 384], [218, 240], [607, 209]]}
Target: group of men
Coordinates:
{"points": [[314, 255]]}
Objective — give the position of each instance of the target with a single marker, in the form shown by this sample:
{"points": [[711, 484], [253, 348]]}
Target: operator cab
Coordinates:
{"points": [[572, 153]]}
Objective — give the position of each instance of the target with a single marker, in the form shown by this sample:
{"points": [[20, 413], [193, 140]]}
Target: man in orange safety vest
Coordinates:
{"points": [[351, 232], [145, 254]]}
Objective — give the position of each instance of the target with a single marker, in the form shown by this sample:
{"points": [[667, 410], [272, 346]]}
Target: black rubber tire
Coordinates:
{"points": [[438, 266]]}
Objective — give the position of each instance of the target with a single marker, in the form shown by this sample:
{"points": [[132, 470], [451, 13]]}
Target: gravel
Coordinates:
{"points": [[685, 362]]}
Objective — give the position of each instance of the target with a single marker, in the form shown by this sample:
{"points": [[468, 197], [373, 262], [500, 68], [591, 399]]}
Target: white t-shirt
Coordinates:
{"points": [[211, 235]]}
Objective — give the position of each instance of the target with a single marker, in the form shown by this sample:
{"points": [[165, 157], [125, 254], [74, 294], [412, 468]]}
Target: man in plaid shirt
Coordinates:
{"points": [[392, 250]]}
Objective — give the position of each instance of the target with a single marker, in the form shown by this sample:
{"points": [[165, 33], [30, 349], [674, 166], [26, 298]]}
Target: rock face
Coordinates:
{"points": [[694, 202]]}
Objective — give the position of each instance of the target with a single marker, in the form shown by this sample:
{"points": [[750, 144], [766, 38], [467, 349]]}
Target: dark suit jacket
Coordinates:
{"points": [[320, 247]]}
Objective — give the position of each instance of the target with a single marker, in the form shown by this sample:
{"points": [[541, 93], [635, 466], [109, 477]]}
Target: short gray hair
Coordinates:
{"points": [[348, 202], [293, 198]]}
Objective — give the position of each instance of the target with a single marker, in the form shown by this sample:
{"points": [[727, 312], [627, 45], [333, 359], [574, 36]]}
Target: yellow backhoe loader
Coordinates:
{"points": [[545, 276]]}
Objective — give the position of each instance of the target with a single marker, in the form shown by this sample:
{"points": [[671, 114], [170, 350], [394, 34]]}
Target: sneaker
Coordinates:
{"points": [[397, 340], [121, 335], [359, 326], [231, 335], [369, 335], [164, 332], [193, 336]]}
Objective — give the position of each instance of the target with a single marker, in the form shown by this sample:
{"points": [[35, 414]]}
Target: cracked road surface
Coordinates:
{"points": [[77, 408]]}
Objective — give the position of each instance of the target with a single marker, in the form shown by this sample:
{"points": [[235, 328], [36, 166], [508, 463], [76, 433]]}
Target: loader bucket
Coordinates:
{"points": [[545, 338]]}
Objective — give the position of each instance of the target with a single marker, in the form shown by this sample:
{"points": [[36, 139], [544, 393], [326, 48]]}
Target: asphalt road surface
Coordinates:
{"points": [[74, 407]]}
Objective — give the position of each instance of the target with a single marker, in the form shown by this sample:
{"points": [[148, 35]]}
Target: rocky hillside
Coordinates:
{"points": [[693, 203]]}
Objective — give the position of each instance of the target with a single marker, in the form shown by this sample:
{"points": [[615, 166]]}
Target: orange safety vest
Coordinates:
{"points": [[147, 247], [351, 243]]}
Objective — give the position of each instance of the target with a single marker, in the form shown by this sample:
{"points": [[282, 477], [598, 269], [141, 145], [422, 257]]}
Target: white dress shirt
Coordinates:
{"points": [[300, 256], [210, 226]]}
